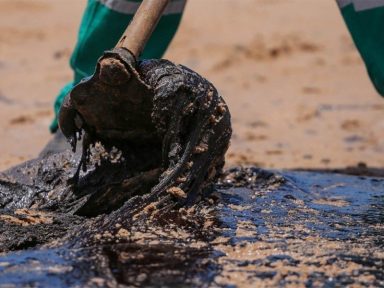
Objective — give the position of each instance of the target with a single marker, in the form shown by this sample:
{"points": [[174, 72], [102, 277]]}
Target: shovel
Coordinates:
{"points": [[140, 29], [115, 68], [114, 84], [158, 114]]}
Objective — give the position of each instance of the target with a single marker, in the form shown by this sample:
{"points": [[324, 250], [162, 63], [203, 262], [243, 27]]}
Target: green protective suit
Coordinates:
{"points": [[103, 23], [364, 19]]}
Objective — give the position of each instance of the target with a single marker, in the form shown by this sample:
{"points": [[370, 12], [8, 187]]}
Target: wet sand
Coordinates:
{"points": [[297, 89], [259, 228]]}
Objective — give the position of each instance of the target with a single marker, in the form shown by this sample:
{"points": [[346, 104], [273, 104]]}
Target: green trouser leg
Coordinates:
{"points": [[365, 21], [103, 23]]}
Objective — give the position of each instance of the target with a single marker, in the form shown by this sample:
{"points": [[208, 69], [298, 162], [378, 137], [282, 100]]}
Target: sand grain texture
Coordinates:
{"points": [[296, 87]]}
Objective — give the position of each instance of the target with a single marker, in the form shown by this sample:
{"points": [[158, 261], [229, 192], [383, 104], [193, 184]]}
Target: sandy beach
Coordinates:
{"points": [[296, 87]]}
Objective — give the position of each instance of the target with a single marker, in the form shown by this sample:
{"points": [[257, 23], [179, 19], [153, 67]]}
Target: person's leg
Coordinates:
{"points": [[365, 19], [103, 23]]}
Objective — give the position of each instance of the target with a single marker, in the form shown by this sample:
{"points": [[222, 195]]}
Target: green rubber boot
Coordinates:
{"points": [[365, 21]]}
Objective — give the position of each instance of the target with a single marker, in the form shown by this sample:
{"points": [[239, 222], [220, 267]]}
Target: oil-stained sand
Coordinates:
{"points": [[258, 227]]}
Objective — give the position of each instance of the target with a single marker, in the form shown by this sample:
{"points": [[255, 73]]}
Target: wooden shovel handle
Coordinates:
{"points": [[142, 25]]}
